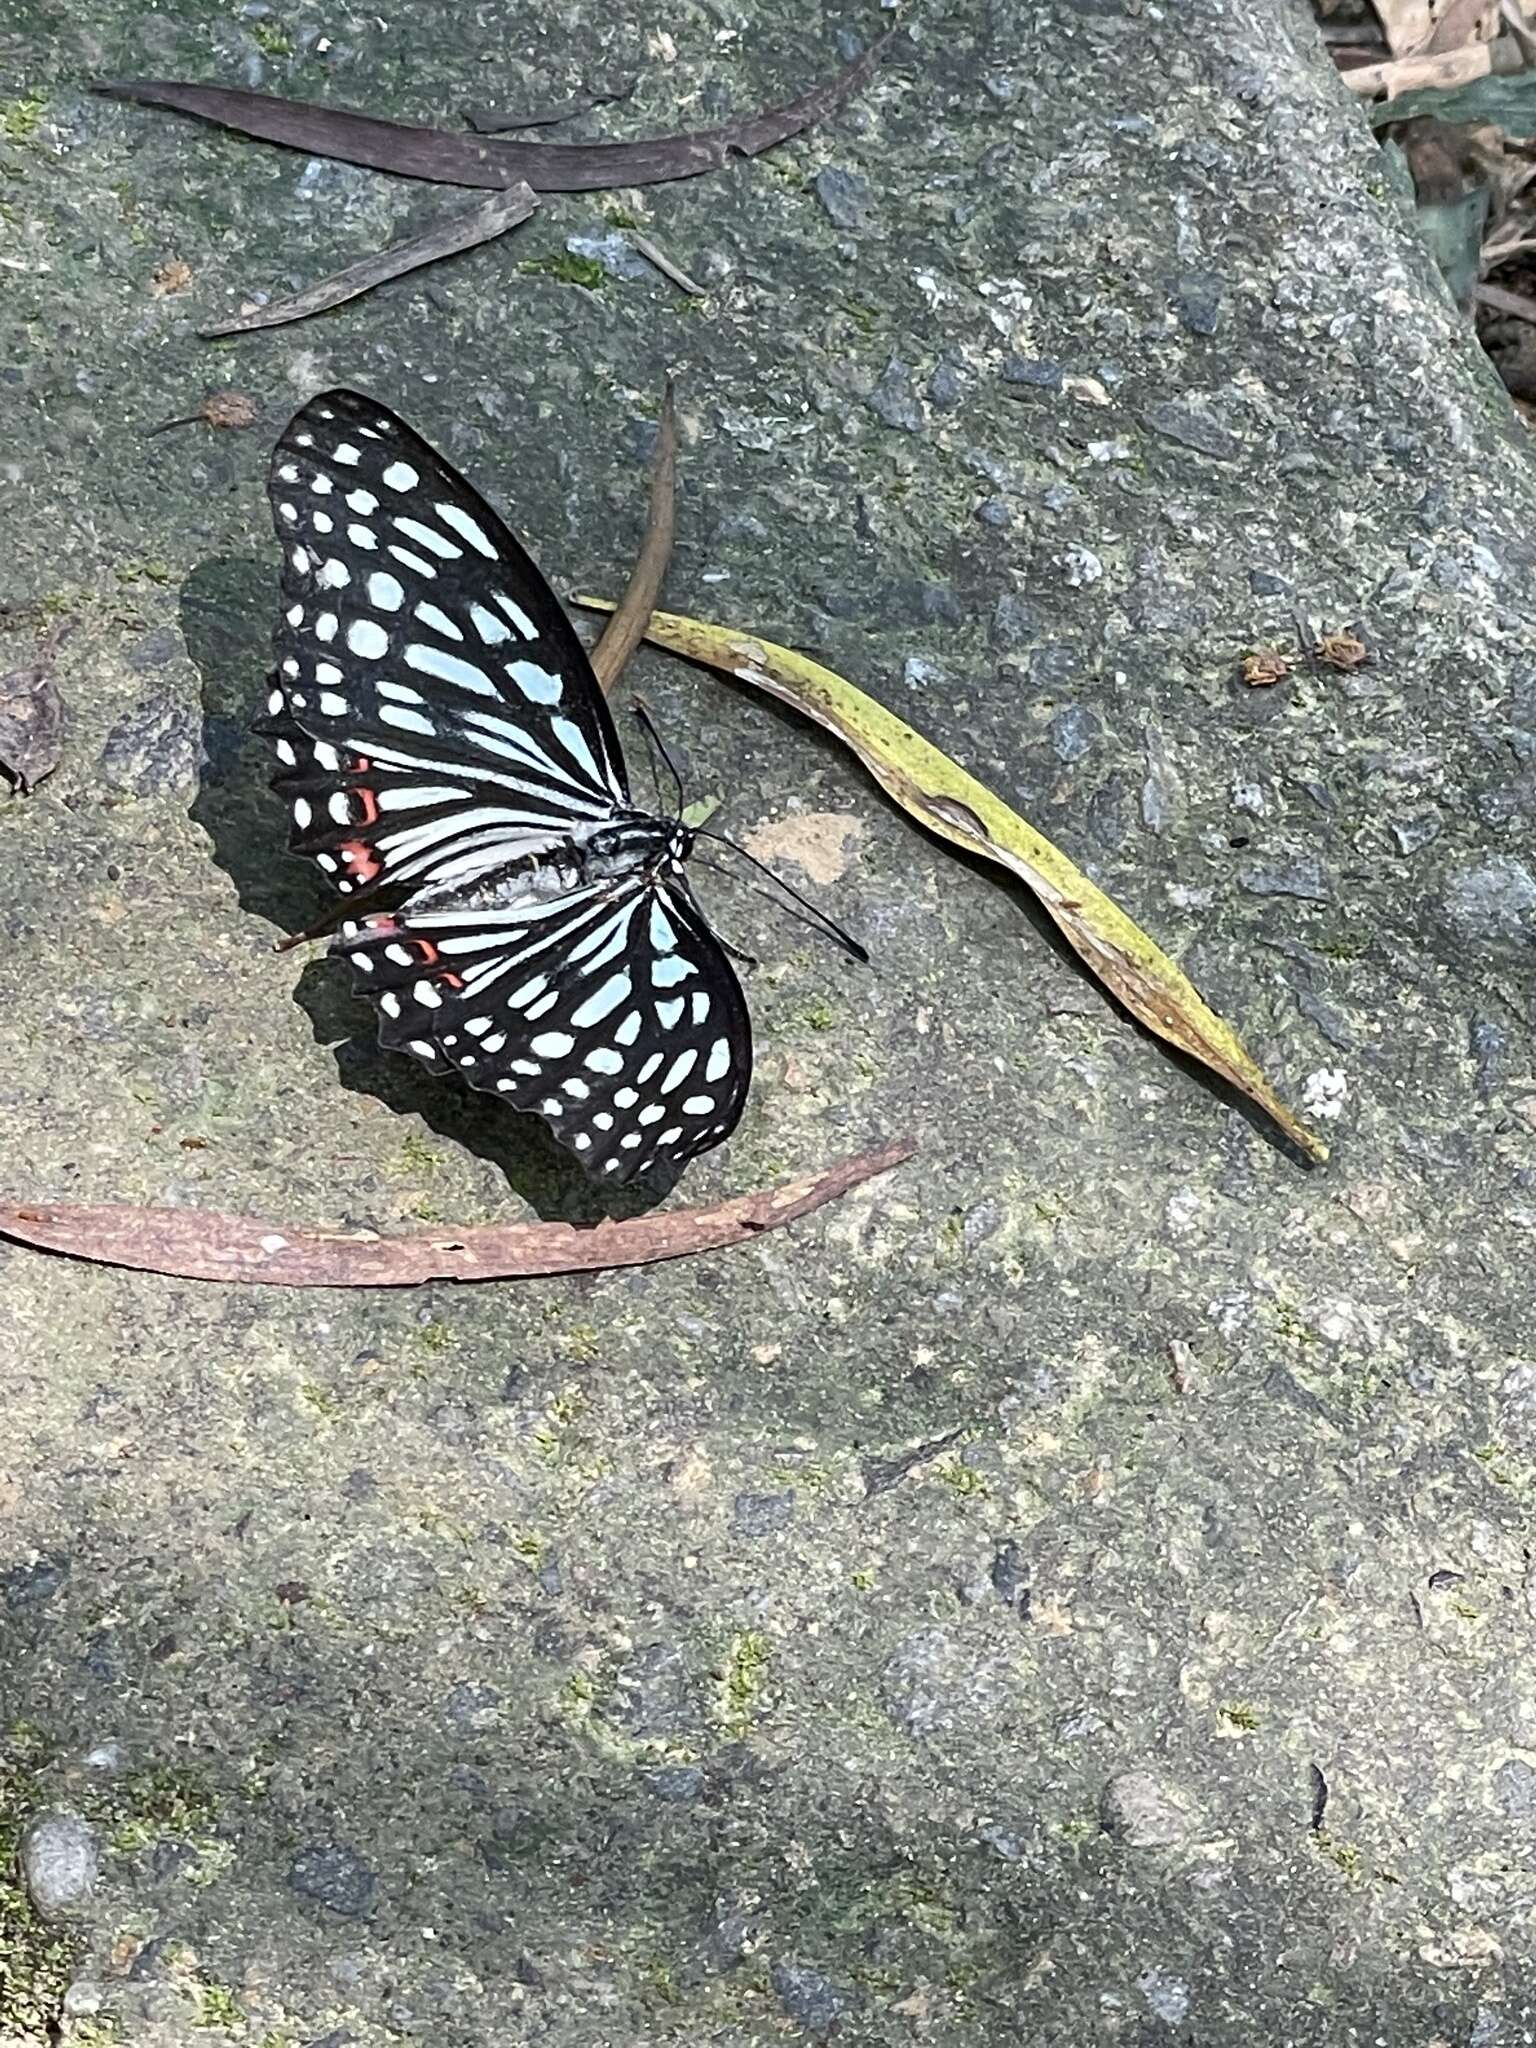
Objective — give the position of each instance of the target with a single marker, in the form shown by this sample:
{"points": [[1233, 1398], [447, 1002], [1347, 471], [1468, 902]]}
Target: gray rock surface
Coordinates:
{"points": [[466, 1689]]}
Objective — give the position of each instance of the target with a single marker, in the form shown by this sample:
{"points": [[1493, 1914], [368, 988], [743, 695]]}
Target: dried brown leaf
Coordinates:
{"points": [[450, 157], [202, 1244], [626, 628], [459, 231], [1264, 666]]}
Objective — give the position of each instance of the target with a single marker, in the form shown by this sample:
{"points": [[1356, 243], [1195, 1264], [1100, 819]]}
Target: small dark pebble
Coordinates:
{"points": [[1514, 1786], [1265, 583], [1026, 370], [1010, 1573], [1197, 301], [1015, 622], [1488, 1045], [154, 749], [1073, 732], [759, 1514], [678, 1782], [333, 1876], [994, 512], [946, 387], [1195, 430], [893, 399], [846, 196], [30, 1585], [808, 1997]]}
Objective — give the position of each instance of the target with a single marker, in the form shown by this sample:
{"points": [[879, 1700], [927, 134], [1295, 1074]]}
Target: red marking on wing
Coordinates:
{"points": [[361, 859], [370, 804]]}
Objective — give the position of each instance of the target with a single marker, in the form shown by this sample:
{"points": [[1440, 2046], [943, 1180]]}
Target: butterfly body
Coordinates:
{"points": [[438, 727]]}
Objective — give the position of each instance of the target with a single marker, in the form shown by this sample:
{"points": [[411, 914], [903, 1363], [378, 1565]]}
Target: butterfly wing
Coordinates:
{"points": [[609, 1009], [433, 710]]}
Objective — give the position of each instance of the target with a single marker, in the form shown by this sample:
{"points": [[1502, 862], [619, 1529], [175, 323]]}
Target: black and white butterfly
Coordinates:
{"points": [[438, 726]]}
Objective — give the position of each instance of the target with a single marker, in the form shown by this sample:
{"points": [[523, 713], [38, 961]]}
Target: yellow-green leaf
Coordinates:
{"points": [[926, 783]]}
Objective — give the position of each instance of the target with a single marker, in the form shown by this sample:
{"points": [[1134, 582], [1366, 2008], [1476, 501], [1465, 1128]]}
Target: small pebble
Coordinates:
{"points": [[60, 1857], [1145, 1811]]}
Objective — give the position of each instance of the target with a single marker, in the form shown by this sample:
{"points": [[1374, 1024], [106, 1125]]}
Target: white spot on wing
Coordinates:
{"points": [[698, 1105], [491, 629], [602, 1001], [602, 1059], [345, 453], [719, 1059], [448, 668], [366, 637], [517, 615], [401, 477], [574, 742], [552, 1045], [362, 501], [680, 1069], [436, 543], [439, 621], [406, 721], [467, 528], [385, 591], [363, 537], [543, 687]]}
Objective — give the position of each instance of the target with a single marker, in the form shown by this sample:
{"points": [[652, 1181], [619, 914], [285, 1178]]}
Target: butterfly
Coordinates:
{"points": [[439, 732]]}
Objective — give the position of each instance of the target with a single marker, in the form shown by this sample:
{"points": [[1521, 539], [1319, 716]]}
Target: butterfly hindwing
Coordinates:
{"points": [[609, 1010], [432, 707]]}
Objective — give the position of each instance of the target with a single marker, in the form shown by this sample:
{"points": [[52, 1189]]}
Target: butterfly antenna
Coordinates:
{"points": [[643, 713], [830, 926]]}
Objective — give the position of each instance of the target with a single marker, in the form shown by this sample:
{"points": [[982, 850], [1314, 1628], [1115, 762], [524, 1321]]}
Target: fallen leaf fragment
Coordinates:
{"points": [[449, 157], [1343, 651], [1266, 665], [447, 237], [204, 1244], [31, 721], [170, 277], [225, 409], [626, 629], [935, 790]]}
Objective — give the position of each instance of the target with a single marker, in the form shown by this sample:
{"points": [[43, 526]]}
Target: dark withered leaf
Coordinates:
{"points": [[451, 158], [481, 223]]}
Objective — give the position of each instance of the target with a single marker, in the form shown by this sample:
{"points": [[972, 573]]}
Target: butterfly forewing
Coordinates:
{"points": [[438, 725], [432, 706]]}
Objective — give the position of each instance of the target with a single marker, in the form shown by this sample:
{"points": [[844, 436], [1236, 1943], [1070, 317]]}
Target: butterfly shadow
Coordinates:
{"points": [[225, 622]]}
